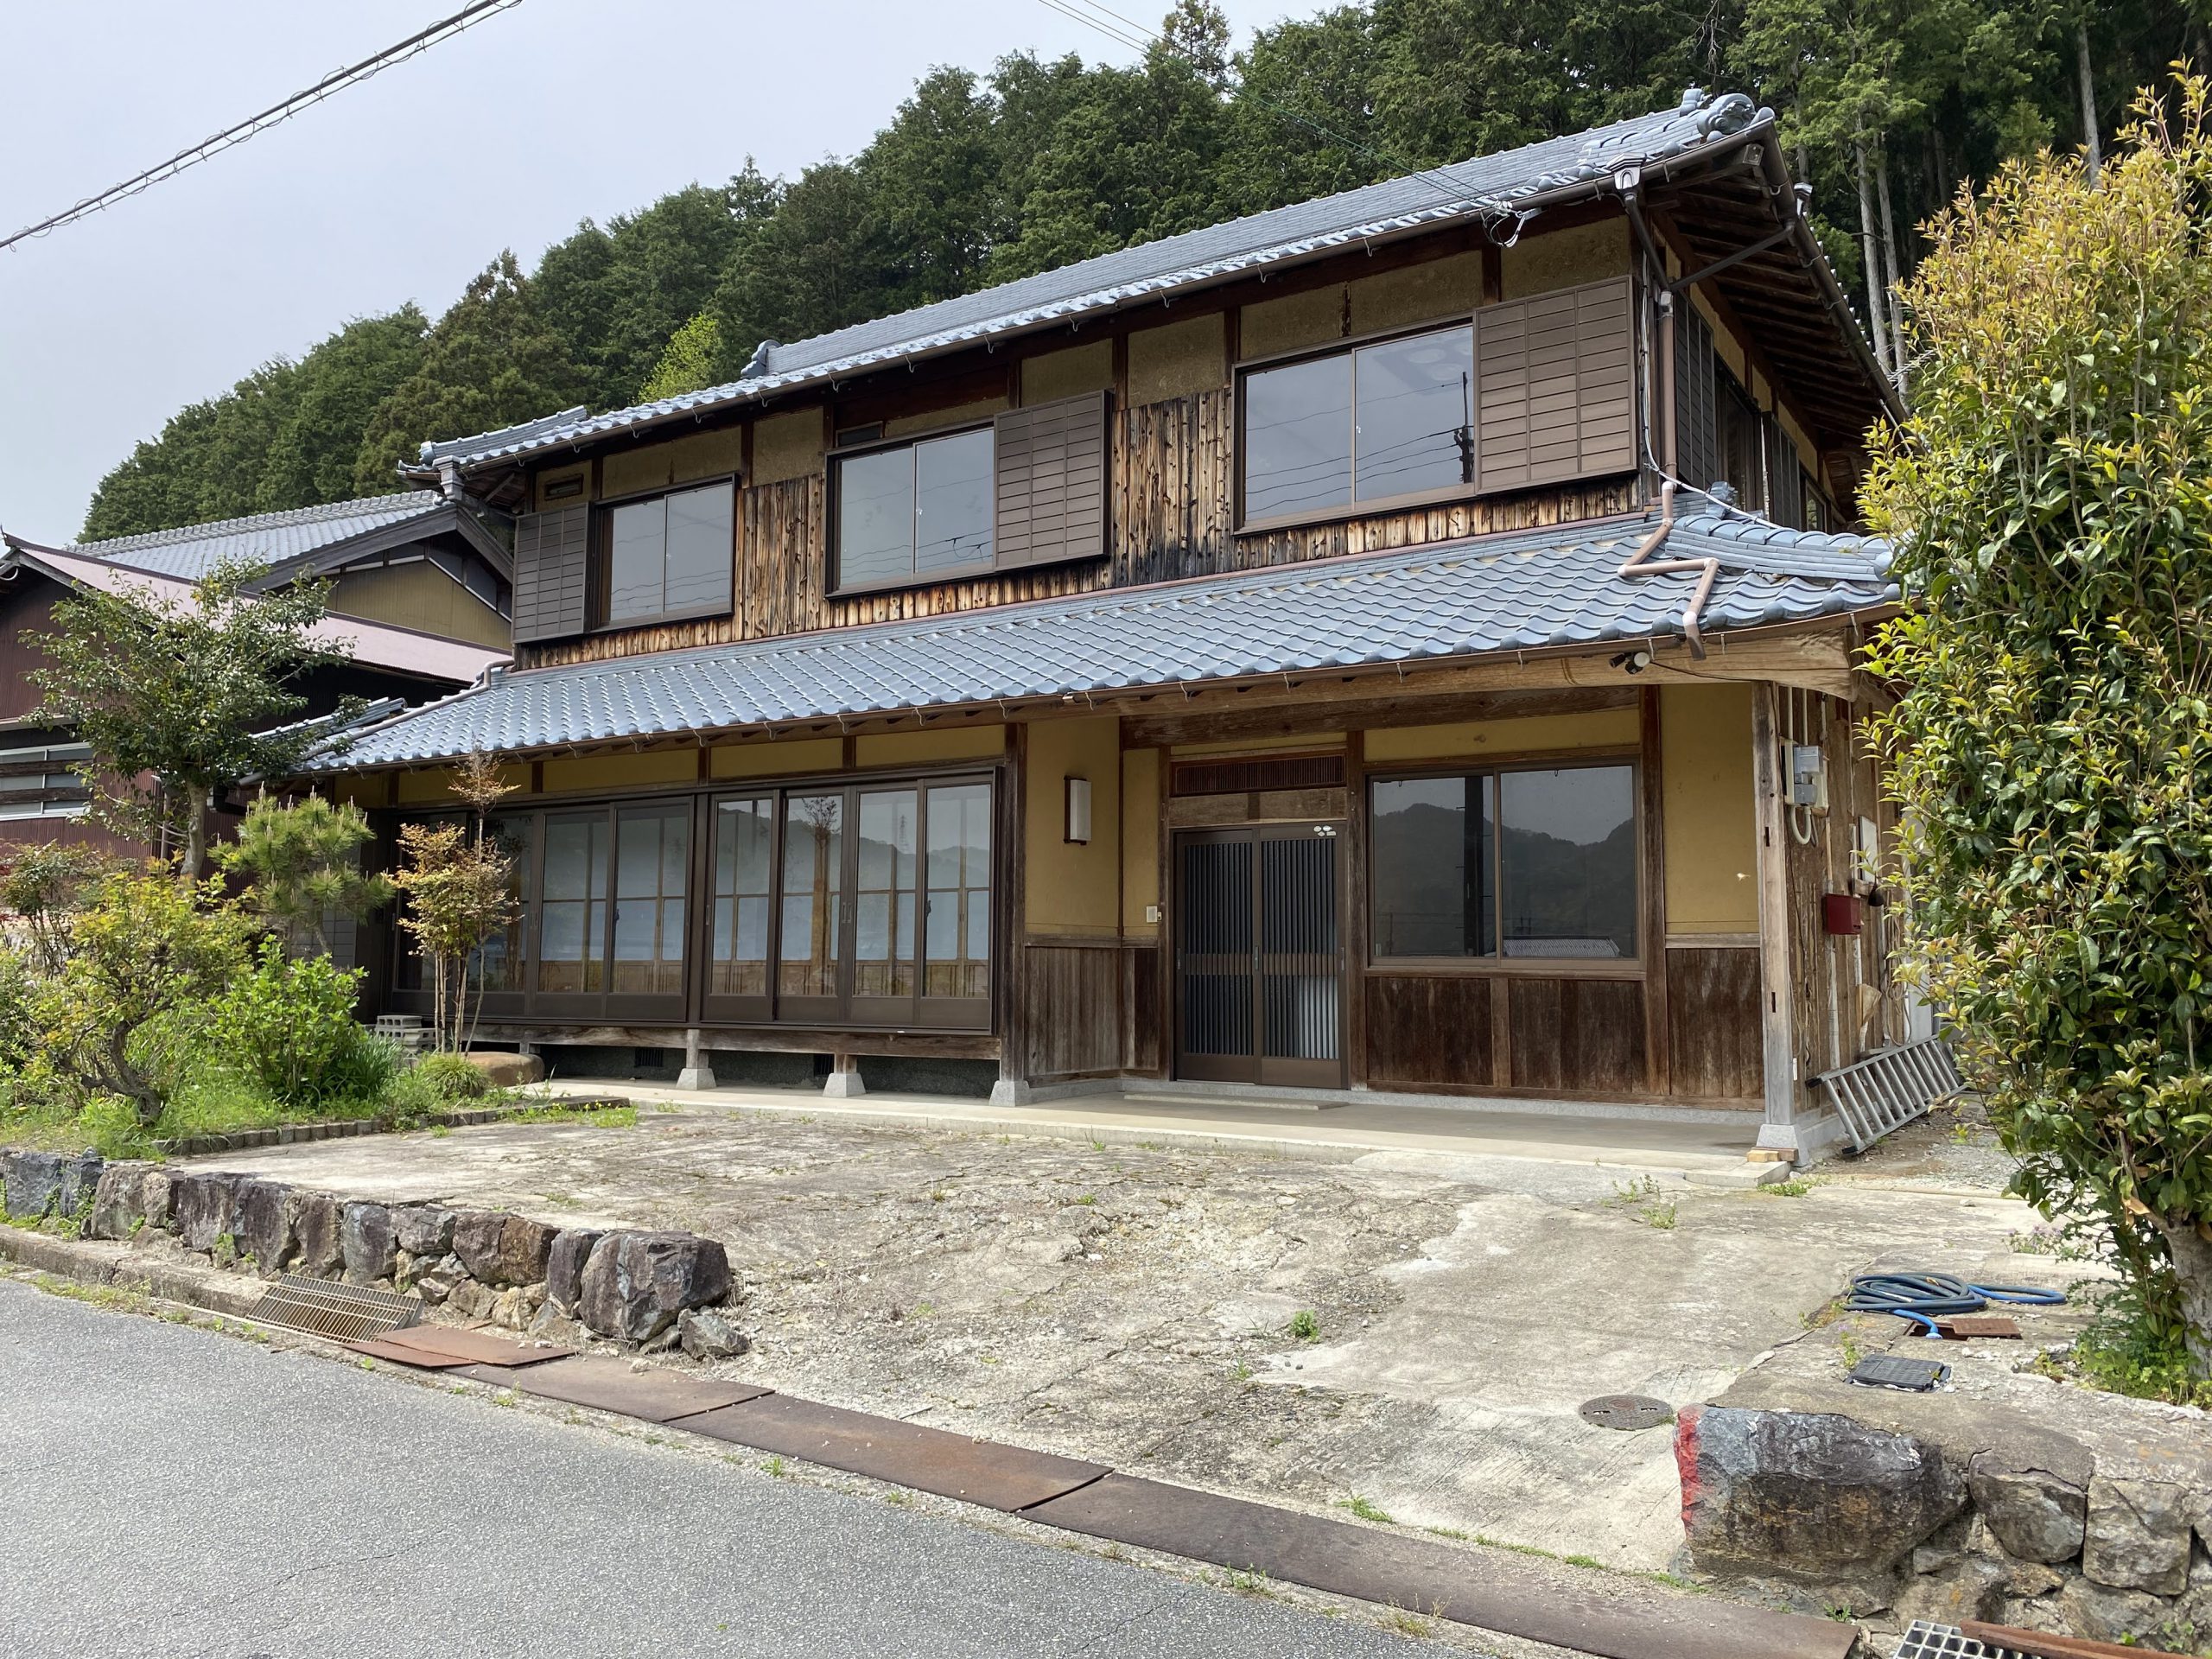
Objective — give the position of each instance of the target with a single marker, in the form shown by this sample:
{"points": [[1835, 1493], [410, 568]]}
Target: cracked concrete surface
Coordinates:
{"points": [[1135, 1303]]}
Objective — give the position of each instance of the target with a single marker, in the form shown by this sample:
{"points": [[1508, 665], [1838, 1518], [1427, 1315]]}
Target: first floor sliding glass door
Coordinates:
{"points": [[612, 913]]}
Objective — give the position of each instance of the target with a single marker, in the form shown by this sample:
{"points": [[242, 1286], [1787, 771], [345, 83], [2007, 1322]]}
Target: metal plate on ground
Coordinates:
{"points": [[1967, 1326], [461, 1345], [653, 1395], [1471, 1587], [323, 1309], [1887, 1372], [422, 1359], [1005, 1477], [1626, 1412]]}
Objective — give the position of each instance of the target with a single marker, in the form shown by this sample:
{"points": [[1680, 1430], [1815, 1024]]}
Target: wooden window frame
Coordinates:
{"points": [[839, 588], [1452, 495], [602, 552], [1629, 967]]}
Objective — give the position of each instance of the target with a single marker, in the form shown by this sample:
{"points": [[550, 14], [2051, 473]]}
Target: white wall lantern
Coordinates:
{"points": [[1078, 809]]}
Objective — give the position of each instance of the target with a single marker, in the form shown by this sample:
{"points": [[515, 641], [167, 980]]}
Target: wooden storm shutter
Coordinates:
{"points": [[1696, 452], [1558, 387], [1052, 482], [552, 561]]}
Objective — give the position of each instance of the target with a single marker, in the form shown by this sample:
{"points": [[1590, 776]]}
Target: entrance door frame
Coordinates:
{"points": [[1277, 1071]]}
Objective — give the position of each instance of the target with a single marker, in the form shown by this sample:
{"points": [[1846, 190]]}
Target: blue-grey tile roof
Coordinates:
{"points": [[1491, 187], [1524, 590], [268, 539]]}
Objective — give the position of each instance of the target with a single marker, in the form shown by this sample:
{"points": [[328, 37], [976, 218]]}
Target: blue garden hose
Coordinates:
{"points": [[1921, 1297]]}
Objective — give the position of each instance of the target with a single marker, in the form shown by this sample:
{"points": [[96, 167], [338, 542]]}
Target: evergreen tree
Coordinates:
{"points": [[311, 457], [493, 360]]}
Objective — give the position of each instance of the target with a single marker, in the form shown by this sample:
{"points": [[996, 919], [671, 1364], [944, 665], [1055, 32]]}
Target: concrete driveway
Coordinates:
{"points": [[1410, 1329]]}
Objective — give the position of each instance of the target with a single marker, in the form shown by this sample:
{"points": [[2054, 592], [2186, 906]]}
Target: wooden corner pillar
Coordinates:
{"points": [[1012, 1088], [1778, 1045]]}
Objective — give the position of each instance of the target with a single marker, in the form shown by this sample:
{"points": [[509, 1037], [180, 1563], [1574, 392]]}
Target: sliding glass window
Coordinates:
{"points": [[1535, 863]]}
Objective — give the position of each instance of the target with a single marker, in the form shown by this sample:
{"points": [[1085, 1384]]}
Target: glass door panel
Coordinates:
{"points": [[957, 932], [737, 964], [809, 948], [1216, 1033], [652, 861], [884, 979], [499, 961], [572, 908]]}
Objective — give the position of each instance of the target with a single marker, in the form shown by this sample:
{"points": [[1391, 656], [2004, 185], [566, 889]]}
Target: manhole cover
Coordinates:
{"points": [[1627, 1411]]}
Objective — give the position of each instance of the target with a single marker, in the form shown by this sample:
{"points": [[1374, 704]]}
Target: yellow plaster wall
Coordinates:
{"points": [[582, 772], [1411, 294], [1179, 358], [777, 760], [419, 596], [1139, 840], [1067, 374], [1539, 262], [1710, 827], [656, 466], [919, 748], [1313, 318], [1069, 888], [786, 446], [958, 415], [1525, 734], [433, 785], [364, 789]]}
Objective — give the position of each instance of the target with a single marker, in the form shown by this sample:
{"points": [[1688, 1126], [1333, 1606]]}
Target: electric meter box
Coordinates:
{"points": [[1808, 777]]}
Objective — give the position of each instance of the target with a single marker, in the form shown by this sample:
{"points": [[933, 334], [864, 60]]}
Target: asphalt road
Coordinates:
{"points": [[172, 1491]]}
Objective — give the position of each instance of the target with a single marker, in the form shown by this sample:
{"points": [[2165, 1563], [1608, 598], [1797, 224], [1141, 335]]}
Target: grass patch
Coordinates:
{"points": [[1365, 1509], [2120, 1353], [1643, 1196], [1304, 1325], [604, 1117], [1795, 1187]]}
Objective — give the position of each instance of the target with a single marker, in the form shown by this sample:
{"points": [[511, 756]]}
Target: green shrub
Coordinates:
{"points": [[287, 1025], [451, 1077], [18, 1020]]}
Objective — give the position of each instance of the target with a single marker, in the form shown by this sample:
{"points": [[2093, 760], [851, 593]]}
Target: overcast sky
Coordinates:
{"points": [[399, 189]]}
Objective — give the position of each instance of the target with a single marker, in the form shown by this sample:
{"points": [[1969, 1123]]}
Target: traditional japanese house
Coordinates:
{"points": [[1275, 658]]}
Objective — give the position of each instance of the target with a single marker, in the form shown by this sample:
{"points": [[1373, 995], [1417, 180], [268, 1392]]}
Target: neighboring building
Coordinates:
{"points": [[1214, 663], [420, 591]]}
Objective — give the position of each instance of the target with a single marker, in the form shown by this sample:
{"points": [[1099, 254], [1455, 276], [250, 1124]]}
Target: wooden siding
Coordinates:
{"points": [[1714, 1022], [1427, 1033], [1075, 1026], [1576, 1036]]}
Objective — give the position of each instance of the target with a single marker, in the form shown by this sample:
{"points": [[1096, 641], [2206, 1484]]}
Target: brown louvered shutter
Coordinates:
{"points": [[552, 561], [1557, 388], [1050, 499]]}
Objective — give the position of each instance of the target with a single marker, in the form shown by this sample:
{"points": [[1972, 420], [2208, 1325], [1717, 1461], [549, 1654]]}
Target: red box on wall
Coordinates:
{"points": [[1843, 912]]}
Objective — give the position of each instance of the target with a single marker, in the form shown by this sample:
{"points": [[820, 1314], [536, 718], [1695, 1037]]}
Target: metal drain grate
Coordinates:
{"points": [[1923, 1640], [1627, 1412], [323, 1309]]}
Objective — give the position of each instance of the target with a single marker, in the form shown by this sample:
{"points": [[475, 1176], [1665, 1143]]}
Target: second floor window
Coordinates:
{"points": [[1393, 419], [669, 555], [915, 511]]}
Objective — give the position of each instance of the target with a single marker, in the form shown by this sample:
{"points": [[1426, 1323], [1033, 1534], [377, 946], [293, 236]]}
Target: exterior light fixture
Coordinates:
{"points": [[1078, 809]]}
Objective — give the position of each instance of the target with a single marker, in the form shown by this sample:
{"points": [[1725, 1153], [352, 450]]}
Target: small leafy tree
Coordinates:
{"points": [[289, 1026], [302, 862], [144, 950], [2051, 502], [180, 699], [45, 885], [460, 889]]}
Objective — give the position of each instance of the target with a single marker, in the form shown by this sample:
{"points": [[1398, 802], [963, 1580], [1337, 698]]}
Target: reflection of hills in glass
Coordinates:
{"points": [[1571, 898]]}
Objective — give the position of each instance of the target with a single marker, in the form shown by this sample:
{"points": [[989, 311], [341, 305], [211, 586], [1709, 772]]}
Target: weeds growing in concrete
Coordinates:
{"points": [[1365, 1510], [1304, 1325]]}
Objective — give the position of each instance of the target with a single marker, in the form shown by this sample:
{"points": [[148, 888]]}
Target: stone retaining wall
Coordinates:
{"points": [[1948, 1508], [650, 1290]]}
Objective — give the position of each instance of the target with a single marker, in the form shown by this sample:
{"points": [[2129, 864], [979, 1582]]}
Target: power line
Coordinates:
{"points": [[230, 137]]}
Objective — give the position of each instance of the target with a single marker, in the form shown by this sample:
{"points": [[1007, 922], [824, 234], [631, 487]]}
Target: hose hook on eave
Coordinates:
{"points": [[1708, 569]]}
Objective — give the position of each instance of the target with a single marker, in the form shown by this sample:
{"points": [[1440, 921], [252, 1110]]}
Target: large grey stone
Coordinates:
{"points": [[1972, 1588], [423, 1230], [2138, 1535], [636, 1284], [1806, 1494], [262, 1223], [119, 1202], [502, 1249], [158, 1199], [80, 1179], [205, 1205], [564, 1266], [33, 1184], [2108, 1615], [437, 1282], [365, 1240], [2035, 1510], [315, 1223]]}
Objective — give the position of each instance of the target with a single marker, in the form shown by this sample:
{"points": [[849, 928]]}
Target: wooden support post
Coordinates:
{"points": [[1012, 1088], [1777, 1009], [698, 1071], [844, 1082], [1658, 1064]]}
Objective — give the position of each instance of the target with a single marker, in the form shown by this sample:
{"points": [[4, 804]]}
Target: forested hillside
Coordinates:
{"points": [[1888, 105]]}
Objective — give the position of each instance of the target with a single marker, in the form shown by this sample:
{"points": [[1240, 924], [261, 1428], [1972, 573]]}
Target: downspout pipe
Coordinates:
{"points": [[1640, 563]]}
